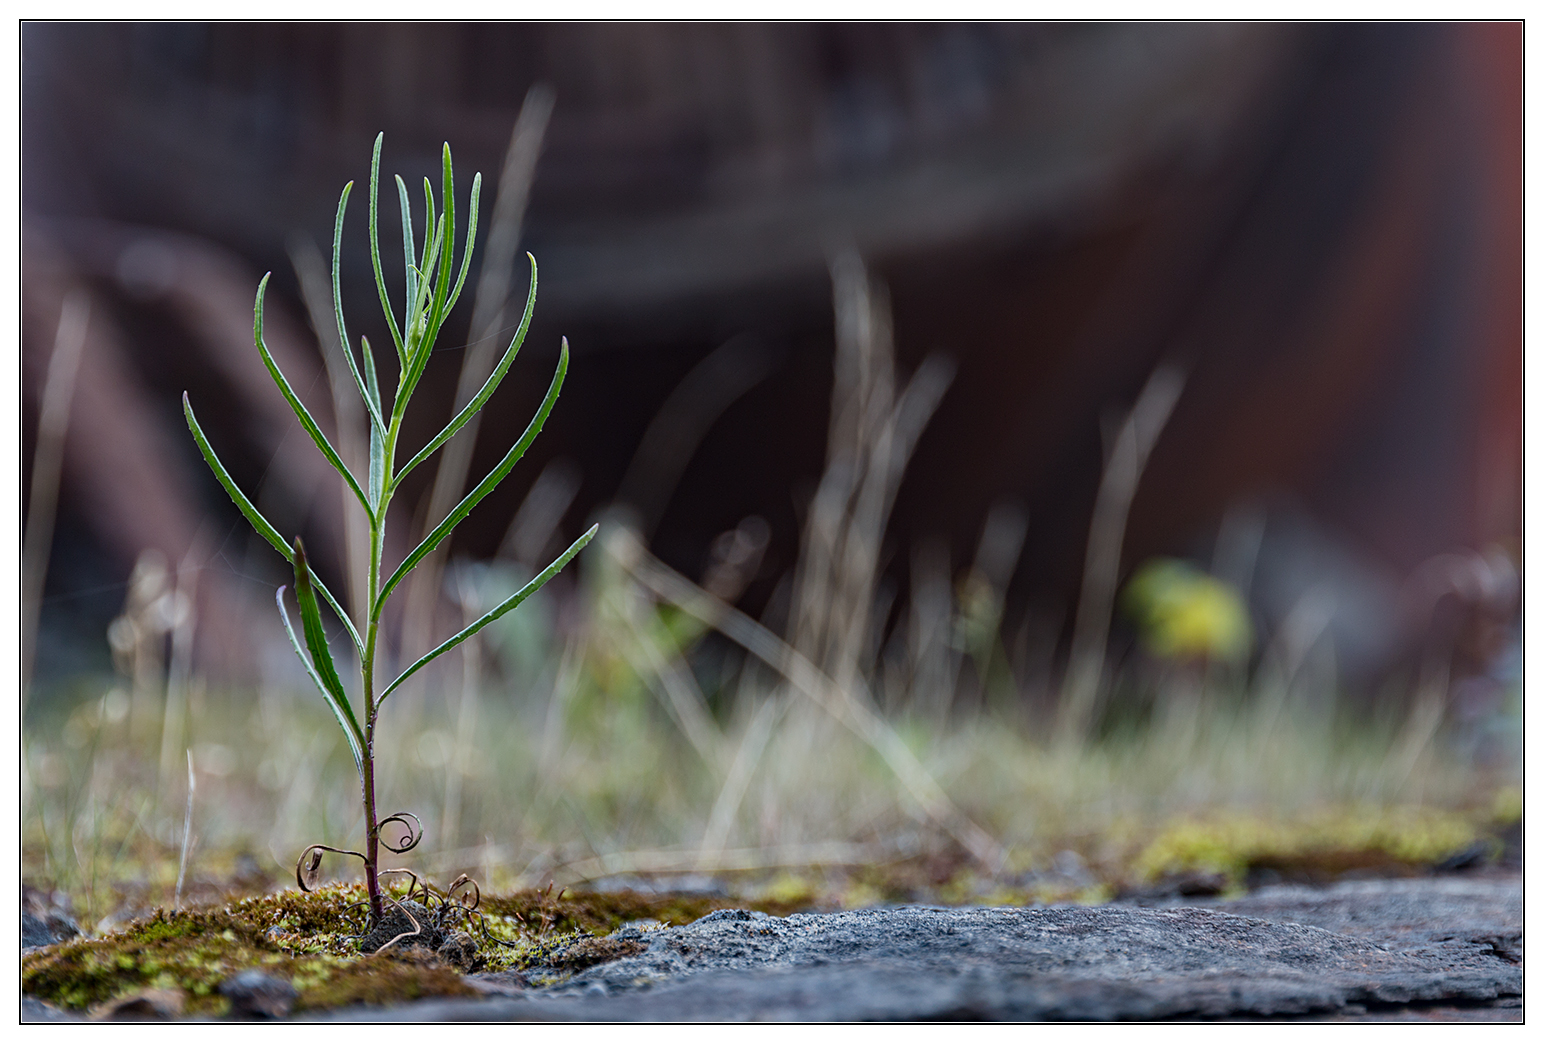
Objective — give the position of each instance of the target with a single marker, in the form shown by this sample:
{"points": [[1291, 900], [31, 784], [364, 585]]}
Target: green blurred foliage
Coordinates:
{"points": [[1184, 614]]}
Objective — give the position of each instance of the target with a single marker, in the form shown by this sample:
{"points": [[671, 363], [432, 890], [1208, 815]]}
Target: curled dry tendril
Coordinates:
{"points": [[362, 925], [308, 868], [465, 882], [456, 904], [415, 832]]}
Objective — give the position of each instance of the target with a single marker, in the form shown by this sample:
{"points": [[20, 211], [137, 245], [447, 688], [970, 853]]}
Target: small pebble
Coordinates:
{"points": [[254, 994]]}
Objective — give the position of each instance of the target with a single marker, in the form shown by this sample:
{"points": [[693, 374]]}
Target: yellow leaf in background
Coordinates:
{"points": [[1182, 613]]}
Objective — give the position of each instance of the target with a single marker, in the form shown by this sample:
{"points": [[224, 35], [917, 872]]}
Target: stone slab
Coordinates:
{"points": [[1386, 949]]}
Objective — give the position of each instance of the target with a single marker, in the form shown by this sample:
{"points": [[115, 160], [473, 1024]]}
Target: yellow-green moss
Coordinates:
{"points": [[1506, 807], [299, 937], [600, 913], [1320, 846], [306, 938], [793, 889]]}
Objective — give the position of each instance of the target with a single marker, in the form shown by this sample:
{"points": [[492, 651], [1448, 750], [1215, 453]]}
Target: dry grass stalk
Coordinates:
{"points": [[47, 462], [179, 681], [187, 835], [683, 420], [679, 693], [753, 743], [871, 437], [1134, 442], [853, 711]]}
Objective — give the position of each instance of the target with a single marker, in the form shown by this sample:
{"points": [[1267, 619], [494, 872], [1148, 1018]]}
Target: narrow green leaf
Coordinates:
{"points": [[487, 390], [316, 637], [417, 322], [306, 420], [375, 249], [372, 404], [264, 528], [503, 607], [347, 723], [409, 255], [377, 480], [429, 223], [448, 187], [471, 241], [484, 487], [443, 302], [420, 340]]}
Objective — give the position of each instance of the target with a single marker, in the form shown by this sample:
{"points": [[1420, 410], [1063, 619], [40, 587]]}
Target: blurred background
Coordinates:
{"points": [[1001, 433]]}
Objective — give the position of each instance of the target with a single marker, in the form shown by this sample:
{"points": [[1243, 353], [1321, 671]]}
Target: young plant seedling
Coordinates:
{"points": [[429, 297]]}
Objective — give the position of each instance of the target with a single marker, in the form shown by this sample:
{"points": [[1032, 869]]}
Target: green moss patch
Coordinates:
{"points": [[1318, 848], [307, 938], [302, 938], [601, 913]]}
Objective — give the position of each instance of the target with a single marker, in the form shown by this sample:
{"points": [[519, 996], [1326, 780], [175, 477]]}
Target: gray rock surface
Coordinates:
{"points": [[45, 918], [1411, 914], [1357, 950]]}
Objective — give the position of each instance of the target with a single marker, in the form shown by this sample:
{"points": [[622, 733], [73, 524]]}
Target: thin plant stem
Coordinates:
{"points": [[187, 835], [429, 296], [47, 460], [1107, 532]]}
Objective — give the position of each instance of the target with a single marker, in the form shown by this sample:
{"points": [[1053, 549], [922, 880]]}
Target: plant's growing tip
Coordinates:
{"points": [[429, 295]]}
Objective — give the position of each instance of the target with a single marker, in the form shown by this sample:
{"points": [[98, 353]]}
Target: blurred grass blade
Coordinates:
{"points": [[377, 480], [488, 388], [264, 528], [503, 607], [854, 712], [409, 254], [372, 403], [484, 487], [375, 251], [306, 420], [349, 725]]}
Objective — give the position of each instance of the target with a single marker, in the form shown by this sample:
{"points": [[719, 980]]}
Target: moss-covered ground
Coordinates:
{"points": [[308, 938]]}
